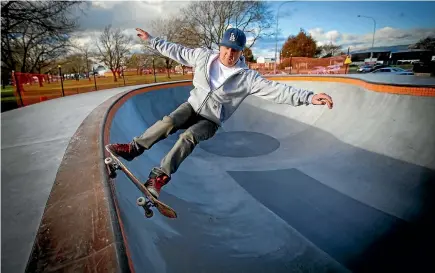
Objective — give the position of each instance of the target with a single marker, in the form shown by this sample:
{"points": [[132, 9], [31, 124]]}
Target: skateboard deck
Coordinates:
{"points": [[113, 164]]}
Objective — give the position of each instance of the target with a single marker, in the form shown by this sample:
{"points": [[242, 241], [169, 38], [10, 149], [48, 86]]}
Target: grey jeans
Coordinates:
{"points": [[184, 117]]}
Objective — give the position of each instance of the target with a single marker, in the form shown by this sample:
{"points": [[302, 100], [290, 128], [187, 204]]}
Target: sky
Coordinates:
{"points": [[397, 22]]}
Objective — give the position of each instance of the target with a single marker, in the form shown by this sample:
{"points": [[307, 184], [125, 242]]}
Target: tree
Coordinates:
{"points": [[208, 20], [113, 48], [173, 30], [73, 64], [137, 61], [427, 43], [301, 45], [86, 52], [247, 52], [328, 50], [35, 33]]}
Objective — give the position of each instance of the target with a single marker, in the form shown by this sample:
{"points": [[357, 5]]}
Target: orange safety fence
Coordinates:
{"points": [[30, 88], [304, 65]]}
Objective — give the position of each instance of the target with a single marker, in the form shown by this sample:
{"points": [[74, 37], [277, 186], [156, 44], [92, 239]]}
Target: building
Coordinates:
{"points": [[263, 63], [391, 55]]}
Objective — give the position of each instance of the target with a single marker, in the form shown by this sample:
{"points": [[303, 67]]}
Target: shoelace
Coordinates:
{"points": [[157, 182], [124, 148]]}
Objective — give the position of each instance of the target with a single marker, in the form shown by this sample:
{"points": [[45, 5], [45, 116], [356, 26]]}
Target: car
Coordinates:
{"points": [[369, 68], [393, 70], [377, 66], [364, 68]]}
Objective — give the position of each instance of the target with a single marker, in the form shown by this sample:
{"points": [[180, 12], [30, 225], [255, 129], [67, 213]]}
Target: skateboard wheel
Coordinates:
{"points": [[108, 160], [141, 201], [148, 213]]}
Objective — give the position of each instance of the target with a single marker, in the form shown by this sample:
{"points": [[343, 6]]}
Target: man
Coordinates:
{"points": [[222, 81]]}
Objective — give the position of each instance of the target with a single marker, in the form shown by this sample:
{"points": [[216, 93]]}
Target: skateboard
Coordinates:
{"points": [[113, 164]]}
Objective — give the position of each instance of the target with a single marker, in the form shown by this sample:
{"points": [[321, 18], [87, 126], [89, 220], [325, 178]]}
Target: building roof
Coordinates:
{"points": [[382, 49], [412, 50]]}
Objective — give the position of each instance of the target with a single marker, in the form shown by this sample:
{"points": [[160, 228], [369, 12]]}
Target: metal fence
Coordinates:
{"points": [[32, 88], [303, 65]]}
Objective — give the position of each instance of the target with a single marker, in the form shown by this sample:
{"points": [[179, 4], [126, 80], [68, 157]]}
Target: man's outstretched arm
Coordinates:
{"points": [[179, 53], [285, 94]]}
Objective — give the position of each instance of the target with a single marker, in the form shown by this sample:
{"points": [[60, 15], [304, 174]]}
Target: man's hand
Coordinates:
{"points": [[142, 34], [322, 99]]}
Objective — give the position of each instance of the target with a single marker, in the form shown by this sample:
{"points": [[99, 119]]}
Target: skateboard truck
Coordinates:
{"points": [[146, 205], [113, 167], [114, 164]]}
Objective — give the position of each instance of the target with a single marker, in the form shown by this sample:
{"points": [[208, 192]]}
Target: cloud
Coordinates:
{"points": [[386, 36], [126, 14]]}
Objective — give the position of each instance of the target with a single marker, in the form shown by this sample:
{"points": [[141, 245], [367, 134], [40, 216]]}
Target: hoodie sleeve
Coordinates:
{"points": [[279, 92], [181, 54]]}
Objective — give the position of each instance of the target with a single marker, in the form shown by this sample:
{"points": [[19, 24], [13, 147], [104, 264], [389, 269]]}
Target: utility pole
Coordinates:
{"points": [[374, 30]]}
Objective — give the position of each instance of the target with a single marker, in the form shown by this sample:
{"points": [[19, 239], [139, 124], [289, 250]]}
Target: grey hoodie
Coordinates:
{"points": [[219, 104]]}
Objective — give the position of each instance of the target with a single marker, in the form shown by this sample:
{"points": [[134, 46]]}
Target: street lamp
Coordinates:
{"points": [[154, 71], [374, 30], [276, 33]]}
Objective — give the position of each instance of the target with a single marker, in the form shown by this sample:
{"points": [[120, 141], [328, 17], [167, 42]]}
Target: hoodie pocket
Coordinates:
{"points": [[213, 109]]}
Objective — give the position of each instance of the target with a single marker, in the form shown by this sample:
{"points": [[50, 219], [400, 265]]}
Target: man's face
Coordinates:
{"points": [[229, 56]]}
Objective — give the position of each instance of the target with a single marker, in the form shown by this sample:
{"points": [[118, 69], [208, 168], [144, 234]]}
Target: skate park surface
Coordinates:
{"points": [[278, 189]]}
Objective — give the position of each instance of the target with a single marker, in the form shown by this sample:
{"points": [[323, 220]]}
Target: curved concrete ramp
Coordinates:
{"points": [[285, 189]]}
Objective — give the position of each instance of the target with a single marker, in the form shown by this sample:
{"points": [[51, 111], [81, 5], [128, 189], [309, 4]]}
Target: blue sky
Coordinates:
{"points": [[396, 22]]}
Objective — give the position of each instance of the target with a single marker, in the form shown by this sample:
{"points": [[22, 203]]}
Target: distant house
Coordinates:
{"points": [[263, 63], [263, 60]]}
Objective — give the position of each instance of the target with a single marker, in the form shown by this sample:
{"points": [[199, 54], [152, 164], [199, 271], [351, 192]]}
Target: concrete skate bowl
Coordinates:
{"points": [[288, 189], [278, 189]]}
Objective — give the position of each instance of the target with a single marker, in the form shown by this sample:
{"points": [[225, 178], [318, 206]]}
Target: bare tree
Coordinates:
{"points": [[208, 20], [113, 48], [86, 52], [137, 61], [34, 49], [427, 43], [74, 63], [34, 33], [174, 30], [328, 50]]}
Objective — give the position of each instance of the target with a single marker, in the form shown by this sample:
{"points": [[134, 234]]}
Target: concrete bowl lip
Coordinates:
{"points": [[362, 77]]}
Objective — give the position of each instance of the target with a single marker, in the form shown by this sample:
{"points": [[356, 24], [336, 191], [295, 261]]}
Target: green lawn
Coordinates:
{"points": [[8, 91]]}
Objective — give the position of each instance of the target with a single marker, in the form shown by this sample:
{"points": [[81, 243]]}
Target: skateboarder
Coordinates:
{"points": [[221, 82]]}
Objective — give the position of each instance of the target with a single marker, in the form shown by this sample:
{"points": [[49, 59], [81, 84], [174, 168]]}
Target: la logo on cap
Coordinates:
{"points": [[232, 37]]}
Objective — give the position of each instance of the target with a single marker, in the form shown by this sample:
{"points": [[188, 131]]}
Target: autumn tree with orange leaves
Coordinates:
{"points": [[301, 45]]}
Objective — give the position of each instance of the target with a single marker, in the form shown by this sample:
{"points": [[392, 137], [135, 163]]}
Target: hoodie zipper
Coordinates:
{"points": [[208, 82]]}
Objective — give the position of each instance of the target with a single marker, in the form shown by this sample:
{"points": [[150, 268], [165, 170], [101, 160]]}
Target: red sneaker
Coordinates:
{"points": [[155, 183], [127, 151]]}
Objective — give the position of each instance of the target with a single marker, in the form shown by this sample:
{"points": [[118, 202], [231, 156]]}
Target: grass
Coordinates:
{"points": [[7, 92], [33, 92], [102, 82]]}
